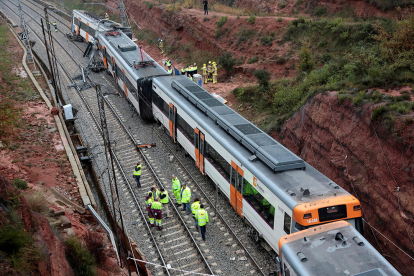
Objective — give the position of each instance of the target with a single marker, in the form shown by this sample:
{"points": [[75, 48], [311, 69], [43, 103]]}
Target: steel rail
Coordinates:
{"points": [[120, 166], [212, 205], [100, 130]]}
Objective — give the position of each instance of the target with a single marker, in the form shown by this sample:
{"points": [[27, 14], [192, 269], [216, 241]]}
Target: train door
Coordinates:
{"points": [[200, 149], [236, 188], [173, 122]]}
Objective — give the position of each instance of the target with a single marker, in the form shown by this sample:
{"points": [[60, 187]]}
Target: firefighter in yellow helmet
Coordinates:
{"points": [[214, 72], [209, 71], [204, 73], [106, 16]]}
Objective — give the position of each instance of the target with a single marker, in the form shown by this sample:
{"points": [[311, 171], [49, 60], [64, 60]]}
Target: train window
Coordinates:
{"points": [[221, 165], [158, 101], [259, 203], [300, 227], [185, 129], [166, 109], [287, 223]]}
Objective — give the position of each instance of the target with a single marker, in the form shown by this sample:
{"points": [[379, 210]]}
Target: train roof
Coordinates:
{"points": [[333, 249], [126, 50], [288, 185]]}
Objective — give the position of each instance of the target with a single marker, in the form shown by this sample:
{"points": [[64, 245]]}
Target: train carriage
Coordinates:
{"points": [[273, 189], [331, 249], [131, 68], [277, 197]]}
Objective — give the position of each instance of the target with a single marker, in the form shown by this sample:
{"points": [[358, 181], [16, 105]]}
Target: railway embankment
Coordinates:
{"points": [[370, 155], [40, 202]]}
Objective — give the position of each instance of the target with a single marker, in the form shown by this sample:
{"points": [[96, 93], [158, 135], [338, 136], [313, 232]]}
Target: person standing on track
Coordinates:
{"points": [[148, 203], [202, 218], [137, 174], [164, 199], [156, 208], [155, 192], [194, 209], [176, 188], [185, 198]]}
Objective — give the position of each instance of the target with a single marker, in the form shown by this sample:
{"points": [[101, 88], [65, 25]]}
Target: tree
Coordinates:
{"points": [[227, 61], [263, 76], [306, 64]]}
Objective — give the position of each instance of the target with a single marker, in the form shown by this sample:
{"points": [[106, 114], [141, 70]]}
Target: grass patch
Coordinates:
{"points": [[19, 184], [37, 202], [253, 59], [81, 260], [220, 23], [252, 19], [266, 40]]}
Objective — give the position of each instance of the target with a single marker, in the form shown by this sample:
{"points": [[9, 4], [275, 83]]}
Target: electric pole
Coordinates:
{"points": [[121, 8], [24, 36]]}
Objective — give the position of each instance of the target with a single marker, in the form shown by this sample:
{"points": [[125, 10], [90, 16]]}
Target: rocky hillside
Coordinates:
{"points": [[370, 159]]}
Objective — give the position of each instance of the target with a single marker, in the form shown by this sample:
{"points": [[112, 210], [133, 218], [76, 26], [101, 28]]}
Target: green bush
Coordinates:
{"points": [[149, 5], [281, 60], [358, 99], [401, 107], [20, 184], [253, 59], [341, 98], [306, 64], [298, 2], [81, 260], [206, 19], [227, 61], [12, 239], [379, 112], [319, 11], [244, 34], [281, 5], [266, 40], [263, 77], [221, 21], [279, 19], [252, 19]]}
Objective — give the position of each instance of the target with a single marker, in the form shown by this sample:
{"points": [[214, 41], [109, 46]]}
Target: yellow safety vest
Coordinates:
{"points": [[137, 170], [156, 205], [202, 217], [186, 195], [195, 206], [176, 185], [165, 199]]}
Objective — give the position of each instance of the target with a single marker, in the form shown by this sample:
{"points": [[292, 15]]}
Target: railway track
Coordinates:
{"points": [[175, 230], [172, 236]]}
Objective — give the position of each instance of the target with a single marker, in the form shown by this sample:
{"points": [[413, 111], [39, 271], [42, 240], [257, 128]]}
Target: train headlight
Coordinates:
{"points": [[357, 207], [307, 216]]}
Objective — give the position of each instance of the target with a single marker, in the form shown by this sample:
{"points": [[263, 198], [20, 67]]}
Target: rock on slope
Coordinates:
{"points": [[339, 140]]}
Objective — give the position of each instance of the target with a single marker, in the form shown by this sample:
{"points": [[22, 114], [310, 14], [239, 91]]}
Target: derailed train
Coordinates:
{"points": [[276, 192]]}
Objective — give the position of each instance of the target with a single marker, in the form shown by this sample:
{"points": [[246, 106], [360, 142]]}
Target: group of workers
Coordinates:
{"points": [[210, 72], [249, 192], [156, 200]]}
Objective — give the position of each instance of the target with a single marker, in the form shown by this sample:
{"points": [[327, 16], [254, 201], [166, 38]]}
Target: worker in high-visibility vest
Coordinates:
{"points": [[148, 203], [202, 219], [164, 199], [156, 208], [106, 16], [214, 72], [161, 45], [170, 71], [137, 174], [168, 63], [195, 68], [176, 188], [55, 25], [185, 198], [194, 209], [155, 192], [204, 69]]}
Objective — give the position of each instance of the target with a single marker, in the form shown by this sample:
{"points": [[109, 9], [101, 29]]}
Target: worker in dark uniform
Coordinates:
{"points": [[205, 4]]}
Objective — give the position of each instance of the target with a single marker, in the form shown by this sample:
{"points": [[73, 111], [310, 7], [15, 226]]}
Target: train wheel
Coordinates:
{"points": [[257, 237]]}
